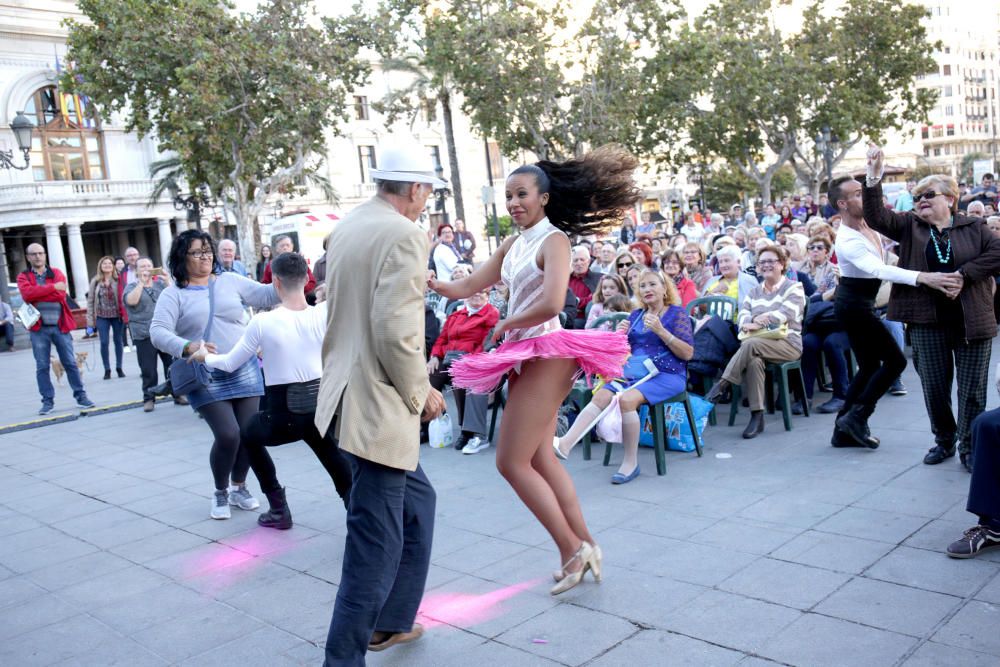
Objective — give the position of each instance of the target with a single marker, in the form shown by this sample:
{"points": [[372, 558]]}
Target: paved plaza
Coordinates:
{"points": [[789, 552]]}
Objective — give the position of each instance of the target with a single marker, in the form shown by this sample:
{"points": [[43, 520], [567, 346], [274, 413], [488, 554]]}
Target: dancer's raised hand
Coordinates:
{"points": [[876, 162]]}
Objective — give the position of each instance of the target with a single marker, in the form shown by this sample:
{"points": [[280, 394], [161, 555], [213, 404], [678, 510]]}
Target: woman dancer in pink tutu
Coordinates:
{"points": [[547, 201]]}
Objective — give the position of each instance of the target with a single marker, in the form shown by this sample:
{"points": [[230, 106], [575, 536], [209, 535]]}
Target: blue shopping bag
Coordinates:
{"points": [[679, 438]]}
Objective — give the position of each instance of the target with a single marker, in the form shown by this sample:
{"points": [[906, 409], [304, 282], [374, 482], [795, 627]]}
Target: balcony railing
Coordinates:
{"points": [[364, 190], [51, 191]]}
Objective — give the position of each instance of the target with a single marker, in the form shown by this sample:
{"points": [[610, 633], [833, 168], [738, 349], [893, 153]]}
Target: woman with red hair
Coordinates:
{"points": [[642, 253]]}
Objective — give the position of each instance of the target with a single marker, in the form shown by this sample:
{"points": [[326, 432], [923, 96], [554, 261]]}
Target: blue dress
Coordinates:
{"points": [[672, 378]]}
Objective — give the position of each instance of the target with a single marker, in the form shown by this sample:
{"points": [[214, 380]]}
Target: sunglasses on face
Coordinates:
{"points": [[625, 265], [929, 195]]}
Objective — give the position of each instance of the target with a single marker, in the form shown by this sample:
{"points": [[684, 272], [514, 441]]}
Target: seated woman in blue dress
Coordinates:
{"points": [[659, 331]]}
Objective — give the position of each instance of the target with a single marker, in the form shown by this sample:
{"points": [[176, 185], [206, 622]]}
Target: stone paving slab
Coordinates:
{"points": [[789, 552]]}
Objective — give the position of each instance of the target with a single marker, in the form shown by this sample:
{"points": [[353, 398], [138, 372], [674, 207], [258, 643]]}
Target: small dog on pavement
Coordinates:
{"points": [[57, 367]]}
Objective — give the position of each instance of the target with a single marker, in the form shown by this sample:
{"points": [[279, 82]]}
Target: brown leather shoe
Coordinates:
{"points": [[148, 406], [398, 638]]}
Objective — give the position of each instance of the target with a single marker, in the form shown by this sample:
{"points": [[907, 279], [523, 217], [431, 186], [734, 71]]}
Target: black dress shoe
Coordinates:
{"points": [[715, 394], [756, 425], [843, 439], [107, 375], [966, 459], [937, 454]]}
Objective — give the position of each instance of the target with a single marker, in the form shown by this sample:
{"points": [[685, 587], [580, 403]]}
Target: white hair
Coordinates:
{"points": [[979, 206], [731, 251], [581, 249], [717, 219], [227, 242]]}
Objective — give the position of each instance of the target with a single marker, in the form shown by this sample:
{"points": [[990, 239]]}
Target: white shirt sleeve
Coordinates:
{"points": [[245, 348], [854, 250]]}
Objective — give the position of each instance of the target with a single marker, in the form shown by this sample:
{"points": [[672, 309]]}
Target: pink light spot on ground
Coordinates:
{"points": [[463, 610]]}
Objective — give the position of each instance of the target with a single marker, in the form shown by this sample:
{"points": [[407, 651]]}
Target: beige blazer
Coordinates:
{"points": [[374, 375]]}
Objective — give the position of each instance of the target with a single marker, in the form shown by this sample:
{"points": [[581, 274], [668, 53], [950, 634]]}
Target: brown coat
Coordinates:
{"points": [[374, 370], [977, 256]]}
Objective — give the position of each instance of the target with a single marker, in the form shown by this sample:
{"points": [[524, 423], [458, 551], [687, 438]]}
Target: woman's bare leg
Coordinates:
{"points": [[559, 480], [527, 428]]}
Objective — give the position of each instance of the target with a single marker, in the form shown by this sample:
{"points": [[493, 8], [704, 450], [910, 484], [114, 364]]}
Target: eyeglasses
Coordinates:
{"points": [[625, 265], [816, 246], [929, 195], [766, 262], [202, 254]]}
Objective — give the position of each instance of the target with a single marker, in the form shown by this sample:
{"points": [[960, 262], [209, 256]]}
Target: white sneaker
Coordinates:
{"points": [[220, 506], [240, 497], [475, 445]]}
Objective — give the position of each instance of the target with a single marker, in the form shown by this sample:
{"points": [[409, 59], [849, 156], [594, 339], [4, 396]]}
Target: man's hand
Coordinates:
{"points": [[433, 407], [949, 283], [61, 286]]}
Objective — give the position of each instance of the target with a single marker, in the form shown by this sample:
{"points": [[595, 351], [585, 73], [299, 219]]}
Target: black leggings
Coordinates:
{"points": [[278, 426], [880, 361], [228, 458]]}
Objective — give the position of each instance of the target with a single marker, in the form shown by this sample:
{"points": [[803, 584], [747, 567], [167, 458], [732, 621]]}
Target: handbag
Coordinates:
{"points": [[28, 315], [186, 376], [770, 333]]}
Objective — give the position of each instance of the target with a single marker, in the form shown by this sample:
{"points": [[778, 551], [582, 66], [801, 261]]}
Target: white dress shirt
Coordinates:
{"points": [[858, 258]]}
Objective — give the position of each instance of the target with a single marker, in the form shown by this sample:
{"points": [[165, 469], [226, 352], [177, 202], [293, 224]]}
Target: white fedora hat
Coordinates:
{"points": [[404, 160]]}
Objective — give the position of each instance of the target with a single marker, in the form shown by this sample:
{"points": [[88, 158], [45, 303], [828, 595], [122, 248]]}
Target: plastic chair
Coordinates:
{"points": [[613, 318], [775, 372], [658, 413], [499, 403], [723, 306]]}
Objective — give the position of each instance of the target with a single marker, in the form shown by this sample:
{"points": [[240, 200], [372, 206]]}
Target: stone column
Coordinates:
{"points": [[54, 246], [181, 224], [166, 238], [77, 261], [122, 242]]}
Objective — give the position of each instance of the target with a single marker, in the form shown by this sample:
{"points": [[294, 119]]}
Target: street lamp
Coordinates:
{"points": [[440, 194], [22, 128], [193, 203]]}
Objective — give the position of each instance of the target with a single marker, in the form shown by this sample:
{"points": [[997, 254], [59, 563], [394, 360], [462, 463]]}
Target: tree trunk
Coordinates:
{"points": [[449, 134], [765, 188]]}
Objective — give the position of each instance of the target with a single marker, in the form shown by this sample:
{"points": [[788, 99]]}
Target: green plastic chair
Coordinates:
{"points": [[613, 318], [775, 373], [660, 431], [723, 306]]}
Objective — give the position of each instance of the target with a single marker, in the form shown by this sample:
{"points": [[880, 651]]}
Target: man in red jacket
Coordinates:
{"points": [[45, 289]]}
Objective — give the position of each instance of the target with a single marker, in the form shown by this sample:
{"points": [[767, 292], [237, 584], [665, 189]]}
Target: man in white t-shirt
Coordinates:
{"points": [[290, 338]]}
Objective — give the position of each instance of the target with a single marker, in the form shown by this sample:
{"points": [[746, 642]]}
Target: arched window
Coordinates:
{"points": [[66, 146]]}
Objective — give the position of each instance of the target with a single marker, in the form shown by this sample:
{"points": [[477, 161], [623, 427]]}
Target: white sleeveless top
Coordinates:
{"points": [[524, 280]]}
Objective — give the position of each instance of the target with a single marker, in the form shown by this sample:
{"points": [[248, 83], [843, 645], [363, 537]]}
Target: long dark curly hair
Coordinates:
{"points": [[587, 193]]}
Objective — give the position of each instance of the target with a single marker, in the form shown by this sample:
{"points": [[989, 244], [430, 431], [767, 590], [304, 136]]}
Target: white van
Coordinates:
{"points": [[307, 231]]}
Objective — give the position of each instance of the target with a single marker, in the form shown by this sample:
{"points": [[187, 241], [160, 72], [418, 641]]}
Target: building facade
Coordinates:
{"points": [[964, 122]]}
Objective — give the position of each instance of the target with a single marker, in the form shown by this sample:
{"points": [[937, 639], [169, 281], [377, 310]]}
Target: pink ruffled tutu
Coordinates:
{"points": [[597, 352]]}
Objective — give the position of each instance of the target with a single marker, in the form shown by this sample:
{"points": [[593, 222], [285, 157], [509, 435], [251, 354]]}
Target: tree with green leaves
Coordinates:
{"points": [[851, 69], [244, 100]]}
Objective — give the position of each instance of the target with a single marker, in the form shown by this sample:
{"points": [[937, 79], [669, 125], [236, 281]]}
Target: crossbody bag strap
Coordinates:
{"points": [[211, 309]]}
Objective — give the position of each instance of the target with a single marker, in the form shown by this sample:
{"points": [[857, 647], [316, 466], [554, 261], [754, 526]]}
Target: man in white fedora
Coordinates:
{"points": [[374, 392]]}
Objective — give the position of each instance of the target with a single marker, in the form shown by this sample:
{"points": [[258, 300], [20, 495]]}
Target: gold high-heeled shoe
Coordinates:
{"points": [[595, 567], [585, 554]]}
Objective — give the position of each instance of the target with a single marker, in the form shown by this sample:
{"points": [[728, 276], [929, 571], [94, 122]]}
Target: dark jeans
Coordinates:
{"points": [[8, 333], [390, 524], [147, 355], [880, 361], [984, 487], [278, 426], [114, 327], [835, 347], [41, 346], [228, 457]]}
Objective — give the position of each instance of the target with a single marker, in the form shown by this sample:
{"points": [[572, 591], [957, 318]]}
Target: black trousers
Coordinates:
{"points": [[387, 553], [941, 356], [880, 361], [984, 487], [277, 426], [147, 355]]}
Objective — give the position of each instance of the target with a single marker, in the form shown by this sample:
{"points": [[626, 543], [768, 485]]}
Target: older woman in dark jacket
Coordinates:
{"points": [[951, 332]]}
